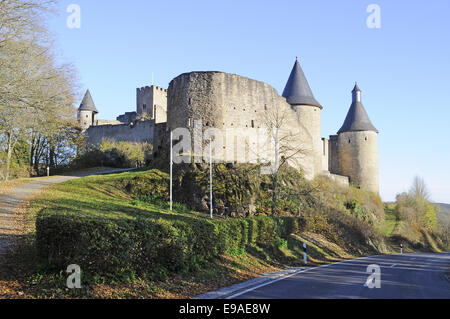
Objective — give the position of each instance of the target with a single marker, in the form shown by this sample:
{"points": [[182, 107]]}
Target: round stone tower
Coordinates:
{"points": [[299, 95], [358, 147], [87, 113]]}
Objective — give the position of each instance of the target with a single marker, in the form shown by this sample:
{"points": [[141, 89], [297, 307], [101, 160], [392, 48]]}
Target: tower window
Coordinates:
{"points": [[144, 107], [87, 116], [253, 124], [349, 141], [367, 139]]}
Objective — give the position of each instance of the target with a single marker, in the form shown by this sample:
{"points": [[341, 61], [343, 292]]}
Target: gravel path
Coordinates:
{"points": [[11, 219]]}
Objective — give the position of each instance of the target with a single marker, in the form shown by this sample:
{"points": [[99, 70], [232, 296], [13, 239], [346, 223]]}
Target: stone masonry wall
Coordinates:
{"points": [[309, 118], [86, 119], [226, 101], [139, 132], [152, 101], [358, 153], [334, 164]]}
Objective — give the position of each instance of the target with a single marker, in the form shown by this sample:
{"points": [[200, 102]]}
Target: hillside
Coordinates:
{"points": [[119, 229]]}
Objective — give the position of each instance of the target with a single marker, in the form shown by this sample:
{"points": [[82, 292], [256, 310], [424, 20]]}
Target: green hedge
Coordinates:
{"points": [[141, 245]]}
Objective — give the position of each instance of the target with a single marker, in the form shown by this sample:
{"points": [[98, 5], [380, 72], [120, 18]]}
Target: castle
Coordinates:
{"points": [[222, 101]]}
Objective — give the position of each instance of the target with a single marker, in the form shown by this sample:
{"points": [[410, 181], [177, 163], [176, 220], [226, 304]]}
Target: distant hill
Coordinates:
{"points": [[444, 215]]}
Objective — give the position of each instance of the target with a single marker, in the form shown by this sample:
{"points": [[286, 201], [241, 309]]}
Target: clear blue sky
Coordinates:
{"points": [[403, 68]]}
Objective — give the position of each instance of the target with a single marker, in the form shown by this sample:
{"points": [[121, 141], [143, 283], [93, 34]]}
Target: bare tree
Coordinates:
{"points": [[419, 189], [287, 148], [21, 19], [36, 94]]}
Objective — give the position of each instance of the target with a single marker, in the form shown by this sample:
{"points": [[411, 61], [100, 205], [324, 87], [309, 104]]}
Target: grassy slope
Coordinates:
{"points": [[105, 196], [391, 221]]}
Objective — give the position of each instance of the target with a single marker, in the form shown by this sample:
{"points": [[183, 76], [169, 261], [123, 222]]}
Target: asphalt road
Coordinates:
{"points": [[409, 276]]}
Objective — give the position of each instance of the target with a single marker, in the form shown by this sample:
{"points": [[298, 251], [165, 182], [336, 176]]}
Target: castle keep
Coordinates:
{"points": [[226, 101]]}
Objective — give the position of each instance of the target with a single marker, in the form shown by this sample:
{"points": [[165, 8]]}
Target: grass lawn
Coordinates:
{"points": [[390, 223]]}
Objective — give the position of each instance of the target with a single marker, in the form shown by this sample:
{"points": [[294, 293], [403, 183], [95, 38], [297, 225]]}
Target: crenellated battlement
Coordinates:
{"points": [[147, 89]]}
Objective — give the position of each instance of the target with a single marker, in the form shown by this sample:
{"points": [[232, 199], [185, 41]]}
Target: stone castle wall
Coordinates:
{"points": [[217, 100], [87, 119], [139, 132], [334, 164], [153, 102], [358, 156], [227, 101], [309, 119], [108, 122], [325, 155]]}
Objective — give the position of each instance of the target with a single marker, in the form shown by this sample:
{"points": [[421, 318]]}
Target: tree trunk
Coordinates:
{"points": [[52, 156], [32, 151], [9, 155]]}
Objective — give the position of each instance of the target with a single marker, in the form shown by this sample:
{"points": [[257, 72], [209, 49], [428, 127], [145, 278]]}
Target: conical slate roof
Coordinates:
{"points": [[357, 119], [298, 91], [88, 104]]}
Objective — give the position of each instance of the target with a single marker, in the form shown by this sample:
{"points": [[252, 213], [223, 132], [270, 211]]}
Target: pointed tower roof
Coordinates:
{"points": [[357, 118], [298, 91], [88, 103]]}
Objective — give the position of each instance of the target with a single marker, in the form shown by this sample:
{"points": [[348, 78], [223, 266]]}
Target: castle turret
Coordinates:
{"points": [[358, 147], [299, 95], [87, 113]]}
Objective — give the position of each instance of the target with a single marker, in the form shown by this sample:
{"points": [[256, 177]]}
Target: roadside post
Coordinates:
{"points": [[401, 249], [211, 179], [305, 254], [48, 171]]}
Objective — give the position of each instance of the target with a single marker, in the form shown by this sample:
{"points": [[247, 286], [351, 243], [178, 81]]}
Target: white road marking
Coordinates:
{"points": [[393, 265], [291, 275]]}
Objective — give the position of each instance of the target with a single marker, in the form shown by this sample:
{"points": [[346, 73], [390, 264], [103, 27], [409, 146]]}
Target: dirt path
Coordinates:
{"points": [[11, 219]]}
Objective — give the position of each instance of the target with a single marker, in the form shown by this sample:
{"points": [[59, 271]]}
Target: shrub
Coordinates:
{"points": [[149, 187], [145, 245], [115, 154], [359, 211]]}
